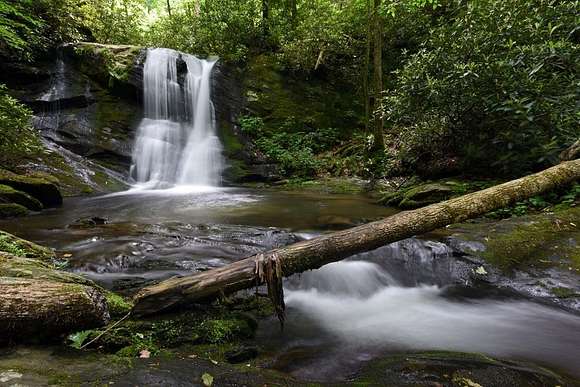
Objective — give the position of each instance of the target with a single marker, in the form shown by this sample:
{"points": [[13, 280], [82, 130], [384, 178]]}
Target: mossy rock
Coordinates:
{"points": [[544, 239], [118, 306], [116, 67], [423, 194], [10, 195], [22, 248], [43, 190], [455, 369], [12, 210], [18, 267]]}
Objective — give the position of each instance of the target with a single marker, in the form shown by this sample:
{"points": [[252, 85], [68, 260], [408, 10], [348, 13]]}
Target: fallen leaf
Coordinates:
{"points": [[193, 356], [213, 361], [144, 354], [9, 375], [207, 379], [480, 270]]}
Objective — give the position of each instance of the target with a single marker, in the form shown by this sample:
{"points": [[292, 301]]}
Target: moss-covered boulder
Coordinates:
{"points": [[10, 195], [460, 369], [18, 267], [45, 191], [19, 247], [422, 194], [12, 210], [117, 67]]}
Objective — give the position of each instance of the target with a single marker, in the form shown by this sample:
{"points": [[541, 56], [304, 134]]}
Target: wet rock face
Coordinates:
{"points": [[76, 108], [456, 369]]}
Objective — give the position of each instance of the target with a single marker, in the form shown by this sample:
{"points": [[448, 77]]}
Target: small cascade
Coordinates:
{"points": [[176, 140]]}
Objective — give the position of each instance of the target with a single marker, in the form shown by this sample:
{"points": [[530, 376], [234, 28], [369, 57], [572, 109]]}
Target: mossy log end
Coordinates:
{"points": [[33, 308], [270, 266]]}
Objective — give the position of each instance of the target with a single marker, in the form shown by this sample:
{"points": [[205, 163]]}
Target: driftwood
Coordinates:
{"points": [[271, 266]]}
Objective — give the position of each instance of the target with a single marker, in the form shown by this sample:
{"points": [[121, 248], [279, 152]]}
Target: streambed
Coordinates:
{"points": [[411, 295]]}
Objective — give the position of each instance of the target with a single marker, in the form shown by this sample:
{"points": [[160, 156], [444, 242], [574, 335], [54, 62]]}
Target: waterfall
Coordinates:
{"points": [[176, 140]]}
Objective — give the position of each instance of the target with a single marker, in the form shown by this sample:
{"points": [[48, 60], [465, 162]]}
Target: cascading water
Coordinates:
{"points": [[176, 140]]}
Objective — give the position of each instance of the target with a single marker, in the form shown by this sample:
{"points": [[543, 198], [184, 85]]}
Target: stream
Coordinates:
{"points": [[404, 296]]}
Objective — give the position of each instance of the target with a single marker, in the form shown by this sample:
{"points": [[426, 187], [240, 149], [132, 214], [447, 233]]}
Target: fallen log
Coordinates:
{"points": [[37, 308], [38, 302], [271, 266]]}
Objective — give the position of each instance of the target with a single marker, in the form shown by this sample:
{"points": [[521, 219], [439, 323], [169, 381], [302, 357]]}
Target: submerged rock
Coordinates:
{"points": [[93, 221]]}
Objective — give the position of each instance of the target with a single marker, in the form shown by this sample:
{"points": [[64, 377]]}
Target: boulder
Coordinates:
{"points": [[13, 245], [423, 194], [46, 192], [12, 210], [10, 195]]}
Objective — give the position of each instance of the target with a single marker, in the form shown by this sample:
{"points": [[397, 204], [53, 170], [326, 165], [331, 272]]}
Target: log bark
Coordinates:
{"points": [[39, 302], [34, 308], [270, 266]]}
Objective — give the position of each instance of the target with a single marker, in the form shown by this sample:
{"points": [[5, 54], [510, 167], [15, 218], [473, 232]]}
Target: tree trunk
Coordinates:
{"points": [[366, 69], [168, 8], [379, 142], [270, 266], [293, 8], [265, 20]]}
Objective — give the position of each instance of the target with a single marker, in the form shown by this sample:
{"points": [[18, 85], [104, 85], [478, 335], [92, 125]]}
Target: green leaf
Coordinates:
{"points": [[77, 339], [207, 379]]}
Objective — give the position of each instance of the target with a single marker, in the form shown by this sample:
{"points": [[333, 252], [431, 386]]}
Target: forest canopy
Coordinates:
{"points": [[460, 84]]}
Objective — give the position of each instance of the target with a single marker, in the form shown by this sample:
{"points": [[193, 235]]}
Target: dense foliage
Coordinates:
{"points": [[465, 84], [496, 82], [17, 138], [29, 27]]}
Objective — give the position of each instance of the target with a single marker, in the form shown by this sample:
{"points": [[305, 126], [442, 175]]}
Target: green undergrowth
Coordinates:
{"points": [[22, 248], [544, 240], [326, 185], [115, 60], [117, 305], [209, 331], [18, 141]]}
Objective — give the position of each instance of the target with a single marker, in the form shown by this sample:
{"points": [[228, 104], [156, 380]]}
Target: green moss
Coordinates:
{"points": [[287, 102], [23, 248], [117, 305], [415, 195], [452, 368], [218, 327], [110, 63], [544, 240], [562, 292], [12, 210], [223, 330], [334, 185]]}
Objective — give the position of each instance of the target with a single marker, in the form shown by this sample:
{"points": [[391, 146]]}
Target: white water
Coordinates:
{"points": [[361, 305], [176, 140]]}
